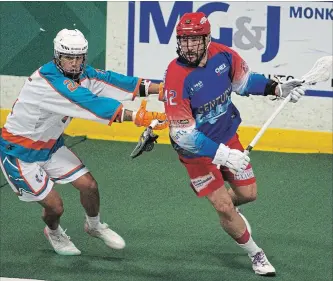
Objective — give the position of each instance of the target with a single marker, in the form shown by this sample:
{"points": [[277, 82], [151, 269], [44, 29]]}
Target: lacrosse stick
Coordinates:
{"points": [[146, 140], [320, 72]]}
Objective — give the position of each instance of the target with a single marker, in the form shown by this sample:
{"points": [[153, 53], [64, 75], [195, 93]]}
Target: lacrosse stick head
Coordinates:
{"points": [[320, 72], [146, 142]]}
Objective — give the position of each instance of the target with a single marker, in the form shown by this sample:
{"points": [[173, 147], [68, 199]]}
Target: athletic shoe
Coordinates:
{"points": [[261, 265], [61, 242], [103, 232]]}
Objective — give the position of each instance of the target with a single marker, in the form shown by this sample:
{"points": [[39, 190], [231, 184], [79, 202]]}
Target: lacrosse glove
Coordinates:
{"points": [[144, 117], [290, 87]]}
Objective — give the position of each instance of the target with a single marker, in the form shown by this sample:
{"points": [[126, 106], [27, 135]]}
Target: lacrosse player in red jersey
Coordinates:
{"points": [[203, 122]]}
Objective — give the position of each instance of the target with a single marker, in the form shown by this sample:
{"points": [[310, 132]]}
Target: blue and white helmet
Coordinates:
{"points": [[70, 43]]}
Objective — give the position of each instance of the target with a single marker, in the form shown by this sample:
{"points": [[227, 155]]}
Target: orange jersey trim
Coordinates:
{"points": [[26, 142], [120, 108], [36, 192], [137, 88]]}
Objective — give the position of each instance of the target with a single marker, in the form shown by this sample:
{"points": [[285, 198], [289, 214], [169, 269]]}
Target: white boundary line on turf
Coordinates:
{"points": [[17, 279]]}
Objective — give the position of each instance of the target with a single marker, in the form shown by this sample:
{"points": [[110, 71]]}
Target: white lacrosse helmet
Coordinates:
{"points": [[70, 43]]}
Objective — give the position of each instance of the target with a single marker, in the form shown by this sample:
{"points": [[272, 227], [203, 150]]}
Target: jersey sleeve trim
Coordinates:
{"points": [[137, 88], [118, 112]]}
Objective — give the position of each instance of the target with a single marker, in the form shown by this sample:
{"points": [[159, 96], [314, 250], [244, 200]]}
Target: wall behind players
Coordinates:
{"points": [[28, 28], [275, 38], [138, 38]]}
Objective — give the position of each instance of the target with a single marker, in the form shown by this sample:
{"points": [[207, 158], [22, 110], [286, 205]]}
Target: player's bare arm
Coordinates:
{"points": [[154, 88], [128, 115]]}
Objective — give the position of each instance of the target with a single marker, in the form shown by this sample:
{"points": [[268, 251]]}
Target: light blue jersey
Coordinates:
{"points": [[49, 100]]}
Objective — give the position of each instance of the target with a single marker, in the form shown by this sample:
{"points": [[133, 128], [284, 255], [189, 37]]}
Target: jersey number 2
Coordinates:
{"points": [[72, 86], [171, 95]]}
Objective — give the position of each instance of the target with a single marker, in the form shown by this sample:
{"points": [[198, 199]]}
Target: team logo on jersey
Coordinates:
{"points": [[9, 146], [71, 85], [39, 176], [211, 111], [197, 86], [221, 69], [200, 183], [179, 123]]}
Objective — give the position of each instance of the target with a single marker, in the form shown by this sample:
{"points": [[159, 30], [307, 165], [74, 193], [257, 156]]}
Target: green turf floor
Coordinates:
{"points": [[170, 233]]}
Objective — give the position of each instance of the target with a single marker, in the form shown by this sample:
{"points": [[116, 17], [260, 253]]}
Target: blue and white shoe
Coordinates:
{"points": [[261, 265]]}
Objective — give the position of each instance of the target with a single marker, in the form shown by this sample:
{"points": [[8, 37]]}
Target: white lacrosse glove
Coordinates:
{"points": [[231, 158], [290, 87]]}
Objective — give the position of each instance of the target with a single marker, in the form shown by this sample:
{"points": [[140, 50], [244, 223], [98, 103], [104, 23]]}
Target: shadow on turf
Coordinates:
{"points": [[84, 255]]}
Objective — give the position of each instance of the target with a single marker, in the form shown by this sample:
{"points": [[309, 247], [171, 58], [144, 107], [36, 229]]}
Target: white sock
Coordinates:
{"points": [[250, 247], [56, 231], [93, 221]]}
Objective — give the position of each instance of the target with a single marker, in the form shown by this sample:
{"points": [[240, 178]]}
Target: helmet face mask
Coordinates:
{"points": [[191, 49], [72, 66], [70, 53], [193, 38]]}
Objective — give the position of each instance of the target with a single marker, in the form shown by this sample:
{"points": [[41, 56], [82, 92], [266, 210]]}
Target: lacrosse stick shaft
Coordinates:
{"points": [[151, 126], [320, 72], [153, 123], [263, 128], [266, 125]]}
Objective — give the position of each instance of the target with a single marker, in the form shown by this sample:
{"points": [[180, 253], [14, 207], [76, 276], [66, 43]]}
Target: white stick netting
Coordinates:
{"points": [[321, 71]]}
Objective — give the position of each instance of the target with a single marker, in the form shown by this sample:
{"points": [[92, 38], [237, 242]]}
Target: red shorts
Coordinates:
{"points": [[206, 177]]}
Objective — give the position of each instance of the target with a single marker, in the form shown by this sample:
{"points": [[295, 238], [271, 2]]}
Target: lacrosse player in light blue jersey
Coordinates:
{"points": [[32, 151]]}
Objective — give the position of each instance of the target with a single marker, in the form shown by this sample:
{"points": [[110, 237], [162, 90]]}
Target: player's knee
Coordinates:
{"points": [[90, 185], [251, 197], [86, 183], [93, 185], [56, 210], [225, 209], [248, 193]]}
